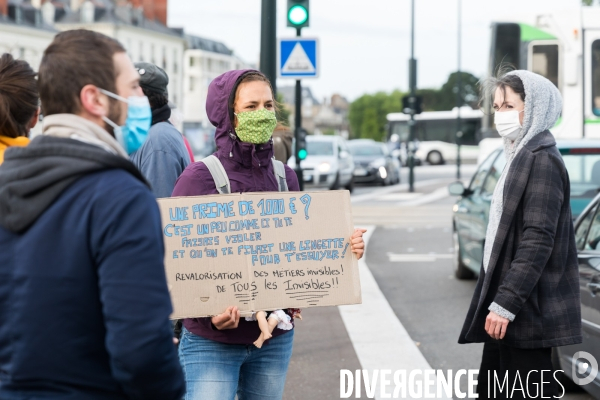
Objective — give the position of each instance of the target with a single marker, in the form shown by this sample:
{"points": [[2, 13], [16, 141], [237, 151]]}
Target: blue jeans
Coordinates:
{"points": [[219, 371]]}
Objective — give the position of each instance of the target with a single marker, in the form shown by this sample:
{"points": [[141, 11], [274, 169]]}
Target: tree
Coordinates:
{"points": [[283, 114], [368, 113], [470, 91], [587, 2]]}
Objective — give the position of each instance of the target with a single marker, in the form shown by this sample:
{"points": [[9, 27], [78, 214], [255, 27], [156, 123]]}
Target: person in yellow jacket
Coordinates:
{"points": [[19, 102]]}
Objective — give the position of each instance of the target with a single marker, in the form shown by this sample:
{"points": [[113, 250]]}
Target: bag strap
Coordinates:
{"points": [[280, 175], [221, 179], [218, 174]]}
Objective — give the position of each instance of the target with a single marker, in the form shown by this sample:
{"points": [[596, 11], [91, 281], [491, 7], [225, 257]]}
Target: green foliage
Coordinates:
{"points": [[329, 132], [368, 113], [587, 2], [283, 114]]}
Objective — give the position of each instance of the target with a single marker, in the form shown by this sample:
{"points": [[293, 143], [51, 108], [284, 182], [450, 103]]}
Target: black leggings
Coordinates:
{"points": [[513, 363]]}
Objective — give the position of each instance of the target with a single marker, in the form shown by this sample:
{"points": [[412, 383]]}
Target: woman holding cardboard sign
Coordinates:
{"points": [[217, 354]]}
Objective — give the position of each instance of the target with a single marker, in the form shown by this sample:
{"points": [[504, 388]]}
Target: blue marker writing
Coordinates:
{"points": [[345, 248], [305, 200]]}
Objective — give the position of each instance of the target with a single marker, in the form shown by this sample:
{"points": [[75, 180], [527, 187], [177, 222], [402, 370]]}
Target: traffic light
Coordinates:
{"points": [[297, 13], [301, 151], [412, 105]]}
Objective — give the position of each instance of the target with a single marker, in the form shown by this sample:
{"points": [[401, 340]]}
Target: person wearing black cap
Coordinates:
{"points": [[163, 157]]}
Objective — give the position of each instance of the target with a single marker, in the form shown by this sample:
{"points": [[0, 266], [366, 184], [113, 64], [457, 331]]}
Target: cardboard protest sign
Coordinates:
{"points": [[259, 251]]}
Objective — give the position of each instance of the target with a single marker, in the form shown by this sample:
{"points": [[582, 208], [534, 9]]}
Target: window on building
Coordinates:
{"points": [[141, 53], [192, 61], [544, 61], [596, 77], [152, 54], [164, 58], [192, 83], [210, 65]]}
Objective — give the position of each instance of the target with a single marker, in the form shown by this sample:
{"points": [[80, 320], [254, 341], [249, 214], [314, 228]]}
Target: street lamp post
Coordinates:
{"points": [[412, 82], [459, 99], [268, 41]]}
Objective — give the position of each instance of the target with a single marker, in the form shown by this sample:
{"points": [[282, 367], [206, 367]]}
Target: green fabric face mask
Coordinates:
{"points": [[256, 126]]}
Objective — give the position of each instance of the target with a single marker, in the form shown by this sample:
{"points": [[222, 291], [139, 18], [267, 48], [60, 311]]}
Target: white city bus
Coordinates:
{"points": [[436, 135]]}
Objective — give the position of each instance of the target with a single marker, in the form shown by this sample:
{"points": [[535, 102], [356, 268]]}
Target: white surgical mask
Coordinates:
{"points": [[508, 124]]}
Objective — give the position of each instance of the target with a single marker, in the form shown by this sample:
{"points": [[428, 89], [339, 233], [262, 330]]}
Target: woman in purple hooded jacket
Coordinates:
{"points": [[217, 354]]}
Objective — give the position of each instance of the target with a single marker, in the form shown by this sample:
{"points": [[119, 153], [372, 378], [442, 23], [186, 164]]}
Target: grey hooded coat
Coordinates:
{"points": [[532, 272]]}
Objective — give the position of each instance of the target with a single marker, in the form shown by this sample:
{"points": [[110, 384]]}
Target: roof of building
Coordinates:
{"points": [[106, 12], [195, 42], [289, 94], [22, 13]]}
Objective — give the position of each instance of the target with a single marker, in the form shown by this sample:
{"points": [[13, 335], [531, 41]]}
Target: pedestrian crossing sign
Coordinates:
{"points": [[298, 58]]}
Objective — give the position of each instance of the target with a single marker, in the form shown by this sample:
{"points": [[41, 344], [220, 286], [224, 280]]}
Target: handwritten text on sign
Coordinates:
{"points": [[259, 251]]}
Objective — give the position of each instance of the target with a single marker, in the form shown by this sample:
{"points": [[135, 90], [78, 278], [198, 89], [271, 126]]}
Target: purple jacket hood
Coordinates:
{"points": [[217, 109]]}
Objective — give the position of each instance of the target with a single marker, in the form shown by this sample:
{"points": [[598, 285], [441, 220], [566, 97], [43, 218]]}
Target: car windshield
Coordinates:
{"points": [[319, 148], [365, 150], [584, 174]]}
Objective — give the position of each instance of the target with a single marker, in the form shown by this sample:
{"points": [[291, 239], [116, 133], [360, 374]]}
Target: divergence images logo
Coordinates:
{"points": [[584, 363]]}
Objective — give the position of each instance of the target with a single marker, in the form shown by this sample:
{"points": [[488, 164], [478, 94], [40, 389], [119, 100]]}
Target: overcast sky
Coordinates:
{"points": [[365, 44]]}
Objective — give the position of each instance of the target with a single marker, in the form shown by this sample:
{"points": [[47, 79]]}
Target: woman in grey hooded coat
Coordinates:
{"points": [[527, 298]]}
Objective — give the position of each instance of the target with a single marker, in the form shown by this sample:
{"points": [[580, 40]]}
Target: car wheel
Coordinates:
{"points": [[563, 378], [350, 185], [384, 182], [435, 158], [460, 269], [336, 184]]}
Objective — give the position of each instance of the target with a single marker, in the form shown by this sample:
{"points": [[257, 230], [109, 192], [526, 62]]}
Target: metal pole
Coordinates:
{"points": [[412, 81], [459, 99], [298, 123], [268, 41]]}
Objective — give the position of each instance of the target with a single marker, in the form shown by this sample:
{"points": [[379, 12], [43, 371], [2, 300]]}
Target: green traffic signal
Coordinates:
{"points": [[297, 15], [302, 153]]}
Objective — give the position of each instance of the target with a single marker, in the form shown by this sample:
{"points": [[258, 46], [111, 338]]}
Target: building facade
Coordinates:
{"points": [[204, 60], [23, 32], [139, 28]]}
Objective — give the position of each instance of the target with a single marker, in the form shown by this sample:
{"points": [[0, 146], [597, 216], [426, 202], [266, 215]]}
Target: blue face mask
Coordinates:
{"points": [[134, 133]]}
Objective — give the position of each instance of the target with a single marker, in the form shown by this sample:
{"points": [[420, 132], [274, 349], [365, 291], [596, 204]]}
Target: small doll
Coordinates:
{"points": [[267, 323]]}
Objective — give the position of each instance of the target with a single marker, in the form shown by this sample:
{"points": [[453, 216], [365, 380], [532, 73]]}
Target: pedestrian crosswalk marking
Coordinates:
{"points": [[411, 257]]}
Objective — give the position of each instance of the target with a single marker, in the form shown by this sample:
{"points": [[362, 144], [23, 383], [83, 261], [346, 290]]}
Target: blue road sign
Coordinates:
{"points": [[298, 58]]}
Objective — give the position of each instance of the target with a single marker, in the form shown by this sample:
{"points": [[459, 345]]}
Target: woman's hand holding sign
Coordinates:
{"points": [[228, 320], [357, 242]]}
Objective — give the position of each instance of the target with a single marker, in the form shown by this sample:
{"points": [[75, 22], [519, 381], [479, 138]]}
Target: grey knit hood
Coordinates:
{"points": [[543, 105]]}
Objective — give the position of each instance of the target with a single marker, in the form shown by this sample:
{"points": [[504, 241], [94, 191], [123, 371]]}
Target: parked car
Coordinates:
{"points": [[373, 162], [328, 164], [587, 238], [471, 211]]}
